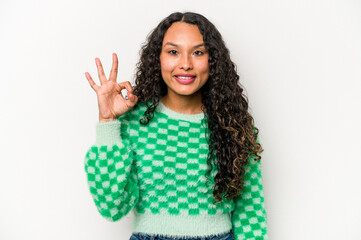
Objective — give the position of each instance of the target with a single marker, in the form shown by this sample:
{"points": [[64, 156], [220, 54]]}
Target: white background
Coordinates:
{"points": [[300, 62]]}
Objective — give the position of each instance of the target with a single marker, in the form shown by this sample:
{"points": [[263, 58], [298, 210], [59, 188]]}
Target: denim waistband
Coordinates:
{"points": [[144, 236]]}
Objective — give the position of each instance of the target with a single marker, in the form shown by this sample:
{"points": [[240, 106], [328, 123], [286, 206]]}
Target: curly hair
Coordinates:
{"points": [[232, 136]]}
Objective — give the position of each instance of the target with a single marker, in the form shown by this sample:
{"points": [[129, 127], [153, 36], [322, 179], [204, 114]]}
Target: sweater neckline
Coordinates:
{"points": [[177, 115]]}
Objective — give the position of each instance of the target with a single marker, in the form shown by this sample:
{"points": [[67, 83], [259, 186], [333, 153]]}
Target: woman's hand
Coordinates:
{"points": [[111, 102]]}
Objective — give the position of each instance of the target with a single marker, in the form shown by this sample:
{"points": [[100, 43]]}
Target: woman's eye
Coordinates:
{"points": [[173, 52], [198, 53]]}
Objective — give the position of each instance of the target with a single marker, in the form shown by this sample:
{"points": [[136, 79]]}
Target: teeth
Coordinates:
{"points": [[185, 77]]}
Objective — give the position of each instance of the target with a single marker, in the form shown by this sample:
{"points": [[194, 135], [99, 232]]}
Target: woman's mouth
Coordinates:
{"points": [[185, 79]]}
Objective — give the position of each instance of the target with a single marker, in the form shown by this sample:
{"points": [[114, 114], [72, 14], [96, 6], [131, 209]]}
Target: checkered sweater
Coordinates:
{"points": [[158, 170]]}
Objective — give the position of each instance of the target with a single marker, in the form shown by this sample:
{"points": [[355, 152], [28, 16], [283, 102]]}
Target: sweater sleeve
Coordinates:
{"points": [[111, 172], [249, 218]]}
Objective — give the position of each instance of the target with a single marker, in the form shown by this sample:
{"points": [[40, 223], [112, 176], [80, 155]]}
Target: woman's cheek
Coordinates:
{"points": [[168, 65]]}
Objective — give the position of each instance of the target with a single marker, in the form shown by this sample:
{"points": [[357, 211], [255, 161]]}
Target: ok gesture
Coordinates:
{"points": [[111, 102]]}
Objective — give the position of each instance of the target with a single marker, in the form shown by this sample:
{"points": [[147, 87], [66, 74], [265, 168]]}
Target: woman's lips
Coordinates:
{"points": [[185, 80]]}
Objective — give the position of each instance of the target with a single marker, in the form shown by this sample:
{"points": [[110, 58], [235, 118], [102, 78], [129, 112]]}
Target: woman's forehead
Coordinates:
{"points": [[181, 33]]}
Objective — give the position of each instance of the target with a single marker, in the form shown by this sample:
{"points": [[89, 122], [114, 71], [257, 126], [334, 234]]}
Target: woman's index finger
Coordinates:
{"points": [[114, 70]]}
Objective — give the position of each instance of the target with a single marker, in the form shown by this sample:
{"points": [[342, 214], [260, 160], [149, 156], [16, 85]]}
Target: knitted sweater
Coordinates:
{"points": [[158, 170]]}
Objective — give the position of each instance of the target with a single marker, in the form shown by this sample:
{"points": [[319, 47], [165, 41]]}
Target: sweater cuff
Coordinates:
{"points": [[107, 133]]}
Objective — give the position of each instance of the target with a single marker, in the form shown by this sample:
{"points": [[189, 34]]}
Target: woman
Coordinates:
{"points": [[181, 149]]}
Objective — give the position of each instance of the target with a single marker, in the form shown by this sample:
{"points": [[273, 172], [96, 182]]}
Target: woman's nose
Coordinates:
{"points": [[186, 62]]}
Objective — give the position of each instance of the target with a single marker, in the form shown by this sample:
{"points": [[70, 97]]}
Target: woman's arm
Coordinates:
{"points": [[110, 170], [109, 163], [249, 218]]}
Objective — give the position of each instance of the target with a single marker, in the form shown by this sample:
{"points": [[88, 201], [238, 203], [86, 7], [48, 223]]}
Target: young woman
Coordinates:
{"points": [[181, 149]]}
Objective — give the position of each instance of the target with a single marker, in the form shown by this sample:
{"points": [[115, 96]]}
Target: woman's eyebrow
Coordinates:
{"points": [[176, 45]]}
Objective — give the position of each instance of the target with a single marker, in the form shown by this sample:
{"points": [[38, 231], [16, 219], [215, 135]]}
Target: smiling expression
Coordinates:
{"points": [[184, 59]]}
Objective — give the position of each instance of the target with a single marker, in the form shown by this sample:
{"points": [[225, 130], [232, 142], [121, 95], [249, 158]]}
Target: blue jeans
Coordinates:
{"points": [[224, 236]]}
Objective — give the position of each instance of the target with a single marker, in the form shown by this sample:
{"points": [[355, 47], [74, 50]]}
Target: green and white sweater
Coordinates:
{"points": [[158, 170]]}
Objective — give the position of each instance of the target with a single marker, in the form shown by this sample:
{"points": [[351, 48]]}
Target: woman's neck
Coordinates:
{"points": [[183, 104]]}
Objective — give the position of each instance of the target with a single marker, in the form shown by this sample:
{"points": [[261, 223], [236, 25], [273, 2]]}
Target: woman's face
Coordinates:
{"points": [[184, 59]]}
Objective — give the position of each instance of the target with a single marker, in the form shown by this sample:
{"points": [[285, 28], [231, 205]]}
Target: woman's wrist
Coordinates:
{"points": [[106, 120]]}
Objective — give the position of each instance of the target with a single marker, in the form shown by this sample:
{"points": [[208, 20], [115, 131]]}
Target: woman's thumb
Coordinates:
{"points": [[132, 97]]}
